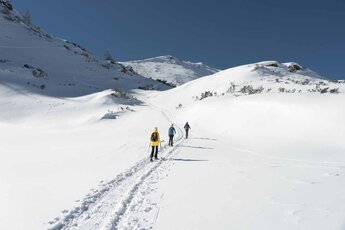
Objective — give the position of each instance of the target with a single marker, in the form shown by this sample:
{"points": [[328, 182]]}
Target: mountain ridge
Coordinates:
{"points": [[170, 69]]}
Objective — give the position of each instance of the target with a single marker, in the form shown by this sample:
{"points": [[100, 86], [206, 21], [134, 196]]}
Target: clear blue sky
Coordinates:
{"points": [[222, 33]]}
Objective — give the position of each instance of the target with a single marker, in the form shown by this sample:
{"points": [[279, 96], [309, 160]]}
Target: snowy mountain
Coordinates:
{"points": [[248, 134], [263, 77], [269, 77], [170, 69], [266, 144], [36, 61]]}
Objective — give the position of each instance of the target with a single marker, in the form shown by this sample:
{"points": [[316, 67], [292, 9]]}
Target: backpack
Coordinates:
{"points": [[154, 137], [171, 131]]}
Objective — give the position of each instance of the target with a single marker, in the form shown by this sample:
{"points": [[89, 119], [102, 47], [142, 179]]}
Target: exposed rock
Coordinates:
{"points": [[272, 65], [294, 68], [6, 5], [39, 73], [27, 66]]}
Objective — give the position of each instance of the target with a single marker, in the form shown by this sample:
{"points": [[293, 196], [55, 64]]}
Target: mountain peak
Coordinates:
{"points": [[170, 69], [162, 59]]}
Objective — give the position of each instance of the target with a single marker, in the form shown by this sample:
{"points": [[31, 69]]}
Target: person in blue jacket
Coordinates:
{"points": [[171, 133]]}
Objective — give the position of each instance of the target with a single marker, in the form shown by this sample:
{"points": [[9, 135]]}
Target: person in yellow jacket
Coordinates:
{"points": [[155, 141]]}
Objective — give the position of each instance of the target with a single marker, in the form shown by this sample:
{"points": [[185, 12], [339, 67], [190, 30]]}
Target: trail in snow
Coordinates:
{"points": [[122, 203], [136, 202], [143, 211]]}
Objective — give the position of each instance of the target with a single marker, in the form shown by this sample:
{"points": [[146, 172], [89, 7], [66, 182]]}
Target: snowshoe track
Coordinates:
{"points": [[107, 206]]}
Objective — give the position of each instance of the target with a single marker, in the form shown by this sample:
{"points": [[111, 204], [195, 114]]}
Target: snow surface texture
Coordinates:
{"points": [[170, 69], [256, 158]]}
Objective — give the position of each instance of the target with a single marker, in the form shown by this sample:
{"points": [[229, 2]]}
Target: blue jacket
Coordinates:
{"points": [[171, 131]]}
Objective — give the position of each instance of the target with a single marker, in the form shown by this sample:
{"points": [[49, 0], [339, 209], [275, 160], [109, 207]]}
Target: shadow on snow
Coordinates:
{"points": [[196, 147], [205, 138], [180, 159]]}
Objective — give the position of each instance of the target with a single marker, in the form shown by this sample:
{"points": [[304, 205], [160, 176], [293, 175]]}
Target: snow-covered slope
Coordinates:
{"points": [[269, 159], [269, 77], [170, 69], [53, 94], [33, 60]]}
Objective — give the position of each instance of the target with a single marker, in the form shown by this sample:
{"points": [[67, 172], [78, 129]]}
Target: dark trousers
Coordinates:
{"points": [[171, 140], [187, 133], [154, 152]]}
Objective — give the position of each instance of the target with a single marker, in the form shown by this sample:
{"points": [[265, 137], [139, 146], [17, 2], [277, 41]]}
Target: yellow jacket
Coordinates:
{"points": [[155, 143]]}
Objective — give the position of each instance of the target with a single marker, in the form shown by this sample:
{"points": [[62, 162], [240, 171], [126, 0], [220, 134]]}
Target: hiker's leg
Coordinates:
{"points": [[171, 140], [152, 151], [156, 154]]}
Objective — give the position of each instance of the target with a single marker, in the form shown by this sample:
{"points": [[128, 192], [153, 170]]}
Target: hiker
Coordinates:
{"points": [[187, 128], [155, 140], [171, 133]]}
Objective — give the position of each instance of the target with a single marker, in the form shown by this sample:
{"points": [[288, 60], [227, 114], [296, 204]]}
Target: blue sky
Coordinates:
{"points": [[222, 33]]}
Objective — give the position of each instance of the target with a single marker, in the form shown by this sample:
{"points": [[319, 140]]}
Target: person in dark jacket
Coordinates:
{"points": [[171, 133], [187, 128]]}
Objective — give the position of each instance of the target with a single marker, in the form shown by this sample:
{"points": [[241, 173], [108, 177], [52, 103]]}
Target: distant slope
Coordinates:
{"points": [[170, 69], [269, 77], [35, 61]]}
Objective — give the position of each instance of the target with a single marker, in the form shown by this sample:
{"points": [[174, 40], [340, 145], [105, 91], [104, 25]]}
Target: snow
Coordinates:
{"points": [[255, 160], [58, 154], [248, 191], [170, 69], [262, 161], [267, 160], [261, 164]]}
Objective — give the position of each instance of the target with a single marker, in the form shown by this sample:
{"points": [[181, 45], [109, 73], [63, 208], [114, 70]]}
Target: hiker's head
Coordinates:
{"points": [[156, 129], [172, 125]]}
